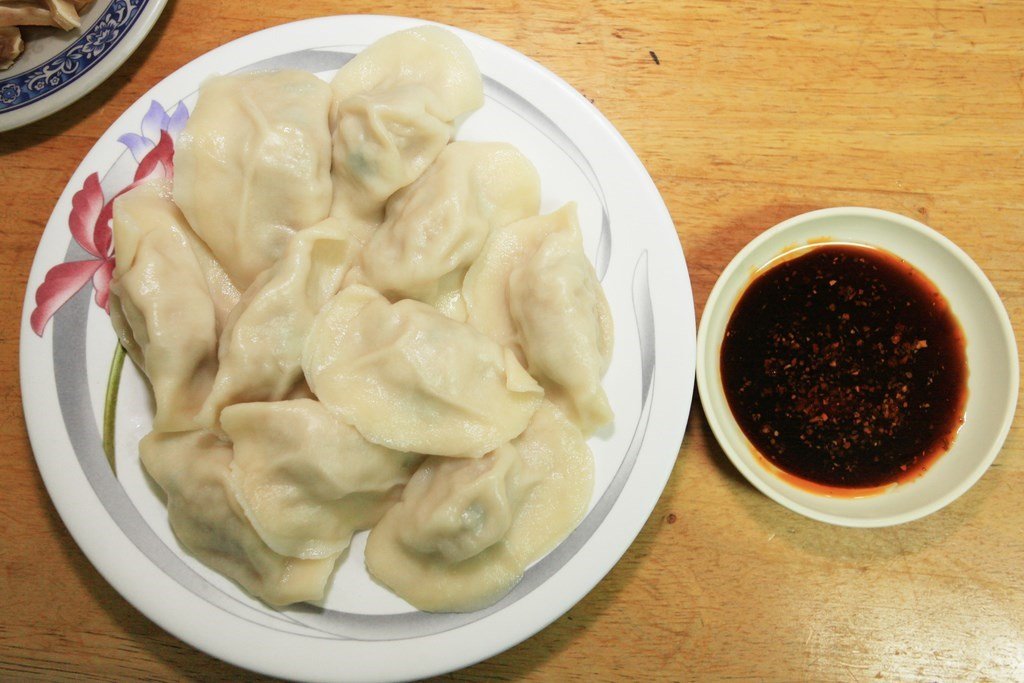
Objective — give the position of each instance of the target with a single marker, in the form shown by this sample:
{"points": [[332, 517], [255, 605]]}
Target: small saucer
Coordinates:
{"points": [[993, 372]]}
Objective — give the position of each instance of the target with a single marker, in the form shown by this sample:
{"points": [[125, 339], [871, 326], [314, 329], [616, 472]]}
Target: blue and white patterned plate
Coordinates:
{"points": [[86, 411], [59, 67]]}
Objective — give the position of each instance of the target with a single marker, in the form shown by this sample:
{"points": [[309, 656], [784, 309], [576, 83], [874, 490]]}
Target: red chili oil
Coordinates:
{"points": [[845, 368]]}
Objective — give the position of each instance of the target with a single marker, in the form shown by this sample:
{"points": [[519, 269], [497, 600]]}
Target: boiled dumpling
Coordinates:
{"points": [[558, 467], [306, 480], [383, 142], [441, 548], [465, 530], [462, 506], [161, 305], [533, 290], [150, 204], [427, 55], [565, 326], [392, 115], [436, 227], [253, 165], [413, 380], [193, 469], [261, 349], [485, 288]]}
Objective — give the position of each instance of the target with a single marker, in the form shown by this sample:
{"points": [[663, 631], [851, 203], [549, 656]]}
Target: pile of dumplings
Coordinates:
{"points": [[351, 322]]}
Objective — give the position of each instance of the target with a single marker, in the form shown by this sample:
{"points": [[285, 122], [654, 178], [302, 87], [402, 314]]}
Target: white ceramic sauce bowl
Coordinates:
{"points": [[992, 364]]}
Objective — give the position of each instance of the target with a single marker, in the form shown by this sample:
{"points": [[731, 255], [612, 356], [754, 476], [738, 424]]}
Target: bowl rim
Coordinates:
{"points": [[722, 424]]}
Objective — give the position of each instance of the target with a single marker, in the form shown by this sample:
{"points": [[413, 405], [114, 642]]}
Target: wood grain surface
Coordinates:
{"points": [[751, 112]]}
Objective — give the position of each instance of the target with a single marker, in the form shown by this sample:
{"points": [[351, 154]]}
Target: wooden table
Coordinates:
{"points": [[744, 113]]}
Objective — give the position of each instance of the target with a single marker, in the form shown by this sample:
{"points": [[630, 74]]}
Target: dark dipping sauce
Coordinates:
{"points": [[845, 368]]}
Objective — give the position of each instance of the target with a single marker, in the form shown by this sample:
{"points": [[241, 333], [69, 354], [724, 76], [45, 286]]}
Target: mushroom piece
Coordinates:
{"points": [[24, 13], [11, 45], [64, 14]]}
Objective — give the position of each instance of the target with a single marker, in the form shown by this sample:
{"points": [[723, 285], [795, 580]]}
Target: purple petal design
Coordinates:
{"points": [[178, 120], [137, 144], [154, 121]]}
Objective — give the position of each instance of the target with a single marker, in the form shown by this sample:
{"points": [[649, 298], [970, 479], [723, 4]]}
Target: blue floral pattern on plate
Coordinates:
{"points": [[74, 61]]}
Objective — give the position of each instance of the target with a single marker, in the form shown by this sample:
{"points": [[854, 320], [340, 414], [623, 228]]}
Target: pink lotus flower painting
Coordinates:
{"points": [[91, 217]]}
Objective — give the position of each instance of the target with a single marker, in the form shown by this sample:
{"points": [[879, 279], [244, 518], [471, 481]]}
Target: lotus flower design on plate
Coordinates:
{"points": [[90, 221]]}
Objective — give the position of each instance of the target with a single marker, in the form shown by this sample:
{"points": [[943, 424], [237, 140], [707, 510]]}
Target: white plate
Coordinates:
{"points": [[362, 632], [58, 67]]}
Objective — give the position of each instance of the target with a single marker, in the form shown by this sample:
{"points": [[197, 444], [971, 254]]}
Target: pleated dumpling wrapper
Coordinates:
{"points": [[533, 290], [436, 227], [413, 380], [161, 304], [565, 326], [261, 347], [253, 165], [193, 469], [393, 113], [485, 288], [466, 530], [307, 480]]}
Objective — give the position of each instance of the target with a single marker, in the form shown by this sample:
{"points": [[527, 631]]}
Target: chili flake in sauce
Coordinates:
{"points": [[845, 367]]}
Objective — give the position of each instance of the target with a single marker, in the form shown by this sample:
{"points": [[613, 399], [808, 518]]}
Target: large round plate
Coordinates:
{"points": [[361, 631], [58, 67]]}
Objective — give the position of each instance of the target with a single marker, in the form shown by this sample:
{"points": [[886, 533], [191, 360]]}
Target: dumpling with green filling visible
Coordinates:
{"points": [[466, 530], [393, 113], [193, 469]]}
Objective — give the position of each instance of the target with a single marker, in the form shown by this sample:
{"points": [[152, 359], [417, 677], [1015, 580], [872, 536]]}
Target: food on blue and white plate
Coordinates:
{"points": [[11, 45], [352, 322], [62, 14]]}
